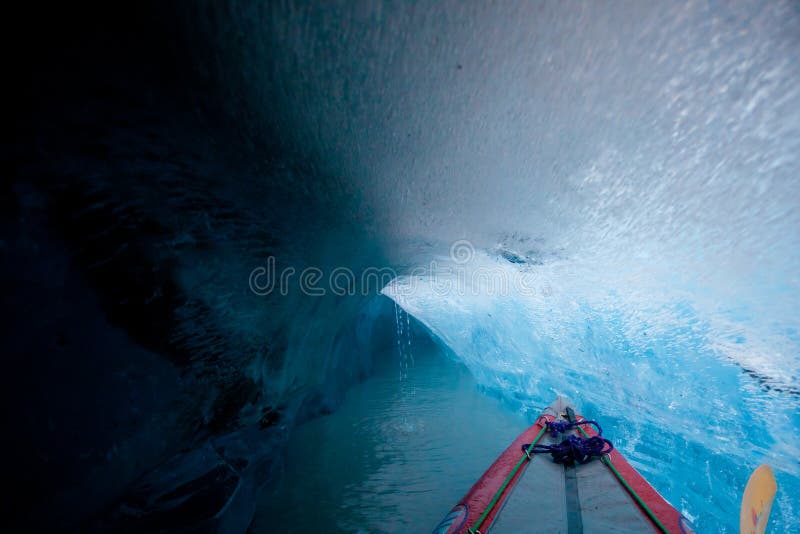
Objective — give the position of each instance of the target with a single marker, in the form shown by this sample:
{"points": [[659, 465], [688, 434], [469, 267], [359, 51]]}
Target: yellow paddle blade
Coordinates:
{"points": [[757, 501]]}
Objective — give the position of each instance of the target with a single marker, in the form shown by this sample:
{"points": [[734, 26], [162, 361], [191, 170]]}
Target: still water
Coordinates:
{"points": [[404, 446]]}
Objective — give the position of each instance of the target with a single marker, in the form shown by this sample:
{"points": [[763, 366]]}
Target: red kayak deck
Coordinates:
{"points": [[605, 494]]}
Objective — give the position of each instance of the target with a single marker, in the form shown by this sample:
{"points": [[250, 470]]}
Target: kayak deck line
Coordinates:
{"points": [[570, 493], [653, 517], [526, 454]]}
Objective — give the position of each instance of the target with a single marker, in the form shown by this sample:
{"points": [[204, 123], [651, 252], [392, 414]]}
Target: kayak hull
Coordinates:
{"points": [[517, 494]]}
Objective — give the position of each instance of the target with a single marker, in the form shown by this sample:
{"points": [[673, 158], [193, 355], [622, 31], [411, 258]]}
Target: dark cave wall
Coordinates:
{"points": [[148, 386]]}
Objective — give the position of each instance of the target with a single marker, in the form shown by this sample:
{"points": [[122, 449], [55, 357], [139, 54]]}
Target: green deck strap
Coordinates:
{"points": [[633, 493], [482, 518]]}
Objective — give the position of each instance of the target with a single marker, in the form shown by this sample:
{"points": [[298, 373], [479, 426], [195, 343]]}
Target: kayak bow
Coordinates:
{"points": [[587, 486]]}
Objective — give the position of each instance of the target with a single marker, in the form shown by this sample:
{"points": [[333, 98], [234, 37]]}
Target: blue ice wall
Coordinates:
{"points": [[651, 148]]}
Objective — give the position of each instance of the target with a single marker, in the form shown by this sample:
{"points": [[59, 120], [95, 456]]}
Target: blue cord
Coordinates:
{"points": [[573, 448]]}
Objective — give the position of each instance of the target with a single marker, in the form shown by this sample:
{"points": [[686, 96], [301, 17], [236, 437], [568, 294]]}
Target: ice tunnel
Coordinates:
{"points": [[267, 264]]}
